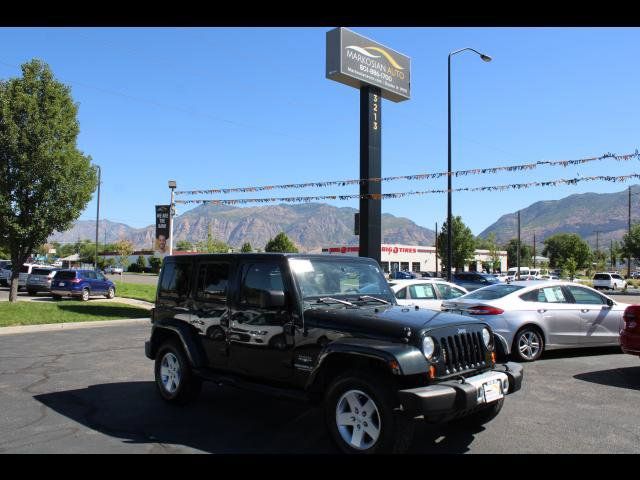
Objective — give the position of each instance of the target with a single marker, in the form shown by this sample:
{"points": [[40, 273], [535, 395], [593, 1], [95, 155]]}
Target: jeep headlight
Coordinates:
{"points": [[486, 337], [428, 347]]}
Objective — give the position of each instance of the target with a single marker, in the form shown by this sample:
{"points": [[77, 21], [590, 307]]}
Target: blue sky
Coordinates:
{"points": [[231, 107]]}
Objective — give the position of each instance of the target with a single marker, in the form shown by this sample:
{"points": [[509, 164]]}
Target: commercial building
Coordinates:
{"points": [[417, 258]]}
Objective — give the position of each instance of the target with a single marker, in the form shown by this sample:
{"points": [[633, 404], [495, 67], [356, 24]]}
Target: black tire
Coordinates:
{"points": [[32, 293], [85, 295], [530, 333], [483, 416], [395, 429], [188, 386], [111, 293], [57, 297]]}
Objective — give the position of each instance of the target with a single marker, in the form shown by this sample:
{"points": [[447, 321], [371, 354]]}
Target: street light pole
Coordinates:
{"points": [[95, 266], [486, 58], [172, 186]]}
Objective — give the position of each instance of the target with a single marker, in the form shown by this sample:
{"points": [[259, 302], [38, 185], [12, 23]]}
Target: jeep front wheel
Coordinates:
{"points": [[174, 379], [359, 411]]}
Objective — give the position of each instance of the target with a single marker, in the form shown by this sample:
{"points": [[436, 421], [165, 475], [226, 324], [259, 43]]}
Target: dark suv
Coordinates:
{"points": [[474, 280], [81, 283], [327, 330]]}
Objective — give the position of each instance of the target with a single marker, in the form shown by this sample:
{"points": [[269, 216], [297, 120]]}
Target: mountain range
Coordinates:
{"points": [[310, 226], [313, 226], [582, 213]]}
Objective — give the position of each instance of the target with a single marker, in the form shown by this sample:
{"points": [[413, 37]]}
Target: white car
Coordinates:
{"points": [[610, 281], [530, 317], [113, 270], [426, 293]]}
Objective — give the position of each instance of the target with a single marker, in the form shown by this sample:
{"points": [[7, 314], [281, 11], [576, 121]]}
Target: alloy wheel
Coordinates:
{"points": [[529, 344], [170, 372], [358, 419], [85, 294]]}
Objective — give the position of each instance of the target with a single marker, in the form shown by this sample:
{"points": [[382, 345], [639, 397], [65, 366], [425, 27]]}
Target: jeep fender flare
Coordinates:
{"points": [[187, 336], [400, 359]]}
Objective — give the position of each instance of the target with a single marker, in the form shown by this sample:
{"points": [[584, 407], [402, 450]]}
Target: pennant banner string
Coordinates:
{"points": [[380, 196], [421, 176]]}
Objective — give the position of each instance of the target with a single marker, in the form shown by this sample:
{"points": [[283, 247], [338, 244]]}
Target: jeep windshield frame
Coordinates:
{"points": [[340, 278]]}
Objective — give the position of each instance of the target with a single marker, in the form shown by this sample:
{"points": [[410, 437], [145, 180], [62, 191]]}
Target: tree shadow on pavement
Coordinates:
{"points": [[106, 310], [628, 377], [221, 420]]}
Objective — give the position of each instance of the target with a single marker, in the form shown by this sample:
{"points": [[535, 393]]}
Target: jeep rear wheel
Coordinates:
{"points": [[360, 415], [174, 378]]}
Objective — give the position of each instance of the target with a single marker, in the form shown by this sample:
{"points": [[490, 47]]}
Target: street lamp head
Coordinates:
{"points": [[172, 184], [484, 57]]}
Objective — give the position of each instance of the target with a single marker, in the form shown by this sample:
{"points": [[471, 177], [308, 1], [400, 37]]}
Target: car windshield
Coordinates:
{"points": [[337, 279], [41, 271], [493, 292], [65, 275], [601, 276]]}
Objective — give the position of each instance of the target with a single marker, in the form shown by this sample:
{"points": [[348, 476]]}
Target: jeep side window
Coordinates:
{"points": [[212, 281], [259, 277], [175, 280]]}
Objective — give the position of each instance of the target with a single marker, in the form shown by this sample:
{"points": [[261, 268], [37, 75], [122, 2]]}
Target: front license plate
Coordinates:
{"points": [[492, 391], [61, 284]]}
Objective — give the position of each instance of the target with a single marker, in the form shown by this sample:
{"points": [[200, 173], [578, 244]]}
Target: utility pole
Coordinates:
{"points": [[518, 255], [629, 237], [534, 250], [95, 266], [436, 243]]}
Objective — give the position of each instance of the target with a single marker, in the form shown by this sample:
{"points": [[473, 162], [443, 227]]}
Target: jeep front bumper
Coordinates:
{"points": [[454, 397]]}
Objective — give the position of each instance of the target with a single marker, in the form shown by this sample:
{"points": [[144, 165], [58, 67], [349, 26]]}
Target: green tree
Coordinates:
{"points": [[246, 248], [526, 254], [212, 245], [123, 250], [464, 244], [490, 244], [280, 243], [570, 266], [155, 263], [562, 246], [141, 263], [631, 242], [45, 181], [184, 246]]}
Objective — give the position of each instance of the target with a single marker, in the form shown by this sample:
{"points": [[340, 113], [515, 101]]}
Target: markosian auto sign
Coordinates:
{"points": [[355, 60]]}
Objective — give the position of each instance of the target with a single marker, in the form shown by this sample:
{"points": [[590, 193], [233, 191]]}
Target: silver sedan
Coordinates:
{"points": [[534, 316]]}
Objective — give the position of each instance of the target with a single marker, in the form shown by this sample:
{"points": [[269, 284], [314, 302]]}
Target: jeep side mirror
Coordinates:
{"points": [[272, 298]]}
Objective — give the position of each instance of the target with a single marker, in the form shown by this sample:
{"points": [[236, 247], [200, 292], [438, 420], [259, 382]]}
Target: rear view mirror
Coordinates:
{"points": [[272, 298]]}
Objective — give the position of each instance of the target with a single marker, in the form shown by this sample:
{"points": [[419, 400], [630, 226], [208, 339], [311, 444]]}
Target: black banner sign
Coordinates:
{"points": [[162, 229]]}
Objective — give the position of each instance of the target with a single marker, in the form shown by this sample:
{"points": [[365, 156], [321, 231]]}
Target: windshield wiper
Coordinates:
{"points": [[369, 297], [330, 300]]}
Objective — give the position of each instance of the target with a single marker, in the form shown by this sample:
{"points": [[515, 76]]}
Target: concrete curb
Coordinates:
{"points": [[71, 326]]}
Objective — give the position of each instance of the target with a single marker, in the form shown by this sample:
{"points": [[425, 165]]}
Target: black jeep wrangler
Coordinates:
{"points": [[328, 330]]}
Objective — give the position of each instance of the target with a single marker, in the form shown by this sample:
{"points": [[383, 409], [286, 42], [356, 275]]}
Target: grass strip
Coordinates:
{"points": [[43, 312], [138, 291]]}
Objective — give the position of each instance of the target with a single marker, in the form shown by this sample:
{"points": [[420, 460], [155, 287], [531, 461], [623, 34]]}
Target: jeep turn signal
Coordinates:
{"points": [[493, 357], [432, 371]]}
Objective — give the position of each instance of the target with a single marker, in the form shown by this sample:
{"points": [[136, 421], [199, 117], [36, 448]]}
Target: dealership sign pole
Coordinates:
{"points": [[378, 72]]}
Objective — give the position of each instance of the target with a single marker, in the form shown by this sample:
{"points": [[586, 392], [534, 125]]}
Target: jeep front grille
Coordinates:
{"points": [[462, 352]]}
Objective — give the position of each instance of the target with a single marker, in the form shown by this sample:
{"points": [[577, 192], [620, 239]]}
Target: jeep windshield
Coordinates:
{"points": [[321, 280]]}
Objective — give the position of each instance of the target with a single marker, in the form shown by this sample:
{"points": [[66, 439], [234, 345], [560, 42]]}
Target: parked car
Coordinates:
{"points": [[81, 283], [341, 340], [402, 274], [474, 280], [630, 333], [39, 280], [537, 316], [5, 273], [425, 293], [609, 281], [110, 269], [25, 270]]}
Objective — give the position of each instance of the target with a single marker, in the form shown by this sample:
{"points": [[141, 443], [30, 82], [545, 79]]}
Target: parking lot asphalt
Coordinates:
{"points": [[91, 391]]}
